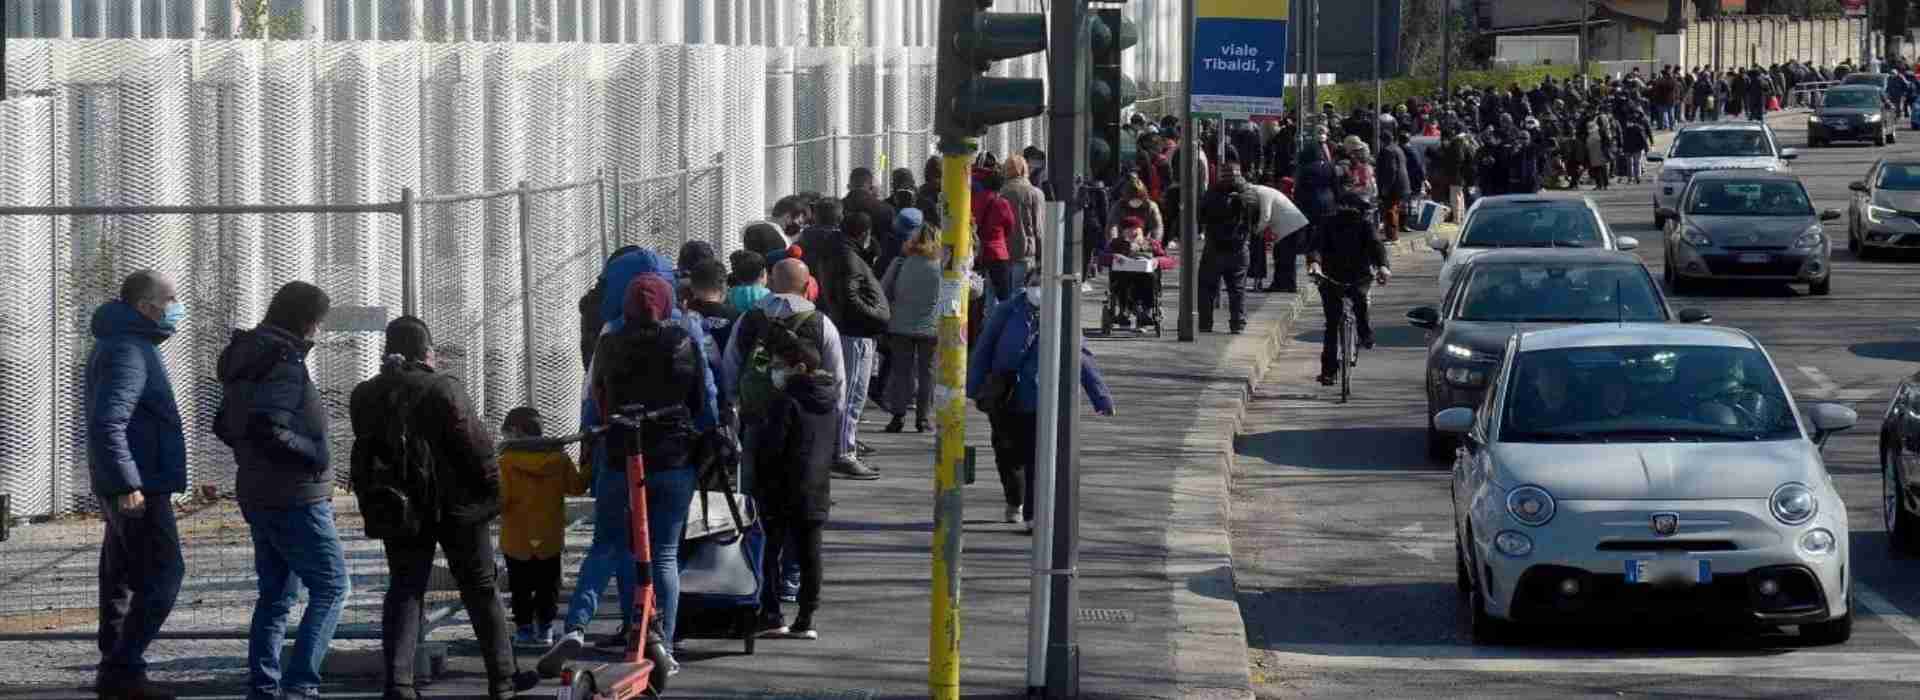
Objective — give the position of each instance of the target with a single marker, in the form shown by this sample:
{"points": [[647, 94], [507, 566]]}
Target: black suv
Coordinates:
{"points": [[1858, 112]]}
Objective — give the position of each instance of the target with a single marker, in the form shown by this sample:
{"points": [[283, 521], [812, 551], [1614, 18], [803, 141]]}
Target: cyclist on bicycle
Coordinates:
{"points": [[1346, 259]]}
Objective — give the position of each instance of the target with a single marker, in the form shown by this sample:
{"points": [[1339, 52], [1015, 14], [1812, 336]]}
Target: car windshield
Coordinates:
{"points": [[1750, 198], [1853, 99], [1865, 79], [1646, 393], [1899, 177], [1556, 225], [1721, 143], [1560, 292]]}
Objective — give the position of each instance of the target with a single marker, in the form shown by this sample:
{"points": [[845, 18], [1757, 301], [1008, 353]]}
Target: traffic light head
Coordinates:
{"points": [[1108, 92], [967, 101]]}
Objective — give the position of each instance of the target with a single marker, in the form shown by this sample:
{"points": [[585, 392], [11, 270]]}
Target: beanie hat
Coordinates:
{"points": [[648, 300]]}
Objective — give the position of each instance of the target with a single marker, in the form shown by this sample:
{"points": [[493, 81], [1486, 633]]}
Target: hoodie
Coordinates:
{"points": [[746, 335], [134, 437], [274, 420], [534, 486]]}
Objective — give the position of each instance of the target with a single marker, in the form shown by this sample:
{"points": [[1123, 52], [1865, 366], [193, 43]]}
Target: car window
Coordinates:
{"points": [[1533, 226], [1559, 292], [1656, 393], [1853, 99], [1899, 176], [1452, 296], [1750, 198], [1721, 143]]}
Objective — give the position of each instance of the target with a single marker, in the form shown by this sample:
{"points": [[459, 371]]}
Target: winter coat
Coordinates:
{"points": [[1148, 213], [928, 200], [849, 288], [1346, 248], [134, 437], [1316, 184], [657, 366], [279, 439], [534, 486], [994, 222], [1416, 168], [619, 273], [1391, 171], [1023, 240], [746, 337], [466, 474], [796, 447], [913, 289], [1004, 346], [872, 205]]}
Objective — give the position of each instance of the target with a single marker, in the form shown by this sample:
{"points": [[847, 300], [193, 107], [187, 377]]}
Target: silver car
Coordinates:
{"points": [[1696, 148], [1647, 474], [1544, 220]]}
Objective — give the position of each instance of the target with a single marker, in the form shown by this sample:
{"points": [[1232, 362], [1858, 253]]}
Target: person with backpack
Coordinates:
{"points": [[535, 481], [590, 320], [1227, 215], [272, 415], [851, 296], [798, 426], [1003, 380], [746, 369], [1346, 251], [425, 475]]}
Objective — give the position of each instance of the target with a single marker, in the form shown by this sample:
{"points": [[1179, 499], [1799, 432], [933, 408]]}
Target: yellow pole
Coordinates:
{"points": [[943, 642]]}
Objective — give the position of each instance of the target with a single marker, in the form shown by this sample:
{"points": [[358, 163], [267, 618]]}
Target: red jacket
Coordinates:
{"points": [[993, 221]]}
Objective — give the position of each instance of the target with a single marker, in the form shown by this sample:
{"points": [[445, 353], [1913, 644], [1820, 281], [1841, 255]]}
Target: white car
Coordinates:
{"points": [[1647, 474], [1544, 220], [1713, 146]]}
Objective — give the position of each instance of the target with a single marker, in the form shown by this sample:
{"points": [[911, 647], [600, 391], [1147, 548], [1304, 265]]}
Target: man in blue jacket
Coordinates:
{"points": [[138, 459], [272, 416]]}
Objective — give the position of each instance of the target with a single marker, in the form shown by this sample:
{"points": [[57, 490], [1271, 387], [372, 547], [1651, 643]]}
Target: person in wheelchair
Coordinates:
{"points": [[1135, 293]]}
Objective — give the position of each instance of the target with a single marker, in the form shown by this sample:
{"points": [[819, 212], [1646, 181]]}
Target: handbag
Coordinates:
{"points": [[716, 561]]}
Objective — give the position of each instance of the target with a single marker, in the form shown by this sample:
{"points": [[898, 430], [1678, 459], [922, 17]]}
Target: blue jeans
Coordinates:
{"points": [[611, 555], [858, 355], [668, 493], [291, 547]]}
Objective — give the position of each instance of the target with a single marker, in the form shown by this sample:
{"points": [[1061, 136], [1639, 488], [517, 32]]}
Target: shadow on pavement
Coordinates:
{"points": [[1350, 449], [1391, 332], [1900, 351]]}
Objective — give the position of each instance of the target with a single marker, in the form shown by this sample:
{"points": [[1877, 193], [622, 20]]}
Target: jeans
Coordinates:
{"points": [[140, 573], [535, 585], [292, 547], [610, 556], [1229, 267], [469, 551], [1015, 440], [1330, 304], [912, 375], [858, 354], [796, 541], [668, 493], [1635, 162]]}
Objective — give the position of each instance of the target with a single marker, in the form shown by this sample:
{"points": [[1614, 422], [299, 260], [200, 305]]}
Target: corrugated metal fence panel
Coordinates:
{"points": [[453, 160], [782, 162], [27, 327], [747, 107], [704, 100], [505, 151]]}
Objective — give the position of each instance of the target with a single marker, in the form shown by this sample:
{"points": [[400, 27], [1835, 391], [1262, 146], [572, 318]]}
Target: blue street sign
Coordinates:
{"points": [[1240, 57]]}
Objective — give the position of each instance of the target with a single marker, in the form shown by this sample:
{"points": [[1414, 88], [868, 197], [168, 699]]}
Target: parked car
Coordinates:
{"points": [[1852, 112], [1899, 457], [1647, 474], [1885, 209], [1546, 220], [1713, 146], [1748, 225], [1504, 292]]}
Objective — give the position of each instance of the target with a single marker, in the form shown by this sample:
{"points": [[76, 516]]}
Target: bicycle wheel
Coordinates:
{"points": [[1349, 345]]}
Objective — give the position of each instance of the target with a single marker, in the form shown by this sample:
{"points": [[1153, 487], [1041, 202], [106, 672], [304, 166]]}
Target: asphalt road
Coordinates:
{"points": [[1342, 540]]}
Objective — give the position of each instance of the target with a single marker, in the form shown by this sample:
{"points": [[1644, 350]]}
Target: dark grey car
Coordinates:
{"points": [[1748, 225], [1851, 112], [1503, 292]]}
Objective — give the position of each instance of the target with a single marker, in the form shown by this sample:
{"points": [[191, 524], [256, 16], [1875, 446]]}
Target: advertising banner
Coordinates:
{"points": [[1240, 56]]}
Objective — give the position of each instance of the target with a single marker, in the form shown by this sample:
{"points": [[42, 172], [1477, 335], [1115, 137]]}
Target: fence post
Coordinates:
{"points": [[408, 278], [720, 202], [526, 294], [619, 214], [600, 184], [686, 208]]}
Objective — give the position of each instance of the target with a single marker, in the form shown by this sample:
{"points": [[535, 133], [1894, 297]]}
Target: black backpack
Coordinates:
{"points": [[1233, 216], [393, 471]]}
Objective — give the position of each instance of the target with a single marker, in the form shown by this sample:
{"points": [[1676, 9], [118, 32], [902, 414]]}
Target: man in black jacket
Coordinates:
{"points": [[1346, 252], [272, 416], [863, 195], [851, 296], [465, 500], [1228, 214]]}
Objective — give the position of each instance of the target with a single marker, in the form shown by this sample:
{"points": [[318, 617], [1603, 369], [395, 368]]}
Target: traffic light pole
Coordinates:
{"points": [[1189, 226], [943, 643]]}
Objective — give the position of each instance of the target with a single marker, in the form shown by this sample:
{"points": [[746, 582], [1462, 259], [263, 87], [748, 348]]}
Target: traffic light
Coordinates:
{"points": [[967, 100], [1109, 90]]}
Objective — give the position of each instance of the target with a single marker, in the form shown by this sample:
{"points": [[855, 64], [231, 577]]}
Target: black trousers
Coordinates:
{"points": [[536, 590], [1285, 253], [1330, 305], [469, 551], [1228, 267], [1015, 439], [798, 539], [1257, 258], [140, 573]]}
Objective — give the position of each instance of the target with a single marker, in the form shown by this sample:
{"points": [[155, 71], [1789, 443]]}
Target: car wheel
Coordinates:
{"points": [[1836, 631], [1487, 630], [1822, 287], [1903, 527]]}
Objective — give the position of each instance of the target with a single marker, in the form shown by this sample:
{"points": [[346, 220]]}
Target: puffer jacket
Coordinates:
{"points": [[466, 473], [134, 438], [850, 292], [1004, 345], [279, 431], [656, 366], [913, 289], [534, 486], [796, 449]]}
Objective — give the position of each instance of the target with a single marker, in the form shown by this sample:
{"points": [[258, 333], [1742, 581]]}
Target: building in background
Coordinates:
{"points": [[1620, 34]]}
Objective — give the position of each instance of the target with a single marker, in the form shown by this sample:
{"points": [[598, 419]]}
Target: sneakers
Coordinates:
{"points": [[1324, 379], [770, 624], [899, 423], [1013, 514], [562, 653], [863, 449], [853, 470], [802, 628], [920, 425], [617, 640], [662, 657]]}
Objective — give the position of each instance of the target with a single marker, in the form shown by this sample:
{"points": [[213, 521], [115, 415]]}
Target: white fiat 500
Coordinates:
{"points": [[1641, 473]]}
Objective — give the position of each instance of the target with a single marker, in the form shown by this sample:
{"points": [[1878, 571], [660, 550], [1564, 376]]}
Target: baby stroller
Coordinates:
{"points": [[1133, 293]]}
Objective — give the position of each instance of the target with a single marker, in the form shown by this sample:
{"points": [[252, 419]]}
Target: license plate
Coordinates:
{"points": [[1754, 258], [1669, 572], [1837, 123]]}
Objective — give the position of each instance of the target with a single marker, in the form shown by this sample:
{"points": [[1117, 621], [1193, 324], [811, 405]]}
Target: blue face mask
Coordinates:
{"points": [[174, 314]]}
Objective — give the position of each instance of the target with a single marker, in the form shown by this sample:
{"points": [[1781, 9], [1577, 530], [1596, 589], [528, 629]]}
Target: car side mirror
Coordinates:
{"points": [[1788, 154], [1424, 317], [1655, 158], [1829, 214], [1830, 418], [1439, 245], [1454, 421], [1695, 316], [1857, 186], [1626, 243]]}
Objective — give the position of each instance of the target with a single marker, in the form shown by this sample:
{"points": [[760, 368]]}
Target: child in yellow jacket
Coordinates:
{"points": [[534, 485]]}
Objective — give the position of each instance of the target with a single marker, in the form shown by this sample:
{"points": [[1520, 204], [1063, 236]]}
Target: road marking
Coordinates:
{"points": [[1798, 665], [1828, 389], [1887, 612], [1414, 539]]}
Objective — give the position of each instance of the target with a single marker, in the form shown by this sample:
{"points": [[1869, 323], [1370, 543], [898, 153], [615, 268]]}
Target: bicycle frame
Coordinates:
{"points": [[1349, 334]]}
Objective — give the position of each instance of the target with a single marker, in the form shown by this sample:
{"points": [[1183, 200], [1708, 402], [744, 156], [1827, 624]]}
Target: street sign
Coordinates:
{"points": [[1854, 8], [1240, 56]]}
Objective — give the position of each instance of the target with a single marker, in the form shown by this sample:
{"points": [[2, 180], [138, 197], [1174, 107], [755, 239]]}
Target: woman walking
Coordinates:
{"points": [[912, 284]]}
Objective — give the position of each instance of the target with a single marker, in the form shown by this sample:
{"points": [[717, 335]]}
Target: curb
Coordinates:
{"points": [[1211, 635]]}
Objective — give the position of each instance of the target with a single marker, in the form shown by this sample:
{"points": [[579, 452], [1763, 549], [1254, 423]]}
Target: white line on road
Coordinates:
{"points": [[1798, 665], [1828, 389], [1887, 612], [1414, 539]]}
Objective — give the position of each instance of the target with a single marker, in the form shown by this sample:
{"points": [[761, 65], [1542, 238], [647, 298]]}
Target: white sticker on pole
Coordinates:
{"points": [[950, 291]]}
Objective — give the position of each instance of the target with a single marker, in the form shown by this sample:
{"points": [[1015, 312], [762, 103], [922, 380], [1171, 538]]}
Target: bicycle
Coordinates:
{"points": [[1349, 333]]}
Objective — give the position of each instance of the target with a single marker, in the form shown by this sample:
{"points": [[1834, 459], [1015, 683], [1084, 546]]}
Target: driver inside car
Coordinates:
{"points": [[1710, 385], [1549, 402]]}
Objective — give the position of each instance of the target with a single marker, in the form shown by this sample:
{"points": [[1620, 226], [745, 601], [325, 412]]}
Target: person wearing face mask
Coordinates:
{"points": [[793, 484], [138, 460], [272, 415], [1134, 202]]}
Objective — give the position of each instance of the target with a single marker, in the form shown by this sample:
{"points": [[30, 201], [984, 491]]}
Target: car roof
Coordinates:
{"points": [[1548, 198], [1856, 87], [1724, 126], [1596, 335], [1596, 256], [1744, 174]]}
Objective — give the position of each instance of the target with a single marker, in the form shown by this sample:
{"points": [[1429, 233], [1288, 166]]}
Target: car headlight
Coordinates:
{"points": [[1696, 238], [1817, 542], [1792, 504], [1466, 376], [1878, 214], [1813, 119], [1871, 118], [1513, 544], [1531, 505], [1810, 238], [1459, 352], [1673, 175]]}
